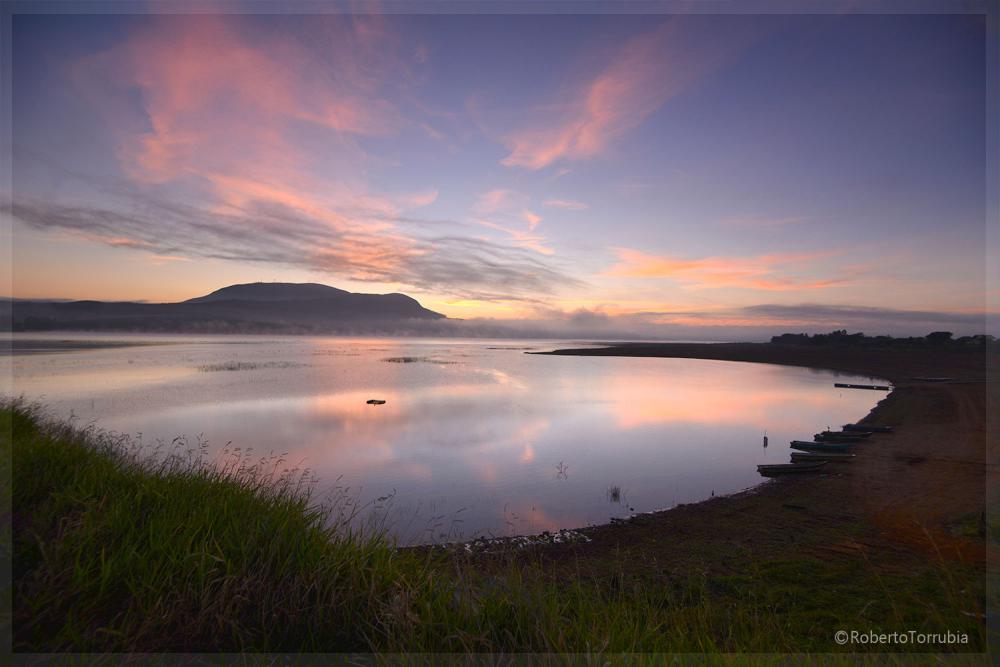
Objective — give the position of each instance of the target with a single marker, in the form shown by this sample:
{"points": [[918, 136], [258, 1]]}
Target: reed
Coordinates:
{"points": [[119, 548]]}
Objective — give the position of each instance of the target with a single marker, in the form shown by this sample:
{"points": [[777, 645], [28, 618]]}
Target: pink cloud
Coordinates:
{"points": [[566, 204], [495, 200], [647, 71], [225, 109], [506, 210], [531, 218], [522, 239], [419, 199]]}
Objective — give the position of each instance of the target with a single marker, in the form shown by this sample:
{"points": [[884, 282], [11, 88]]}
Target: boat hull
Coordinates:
{"points": [[820, 437], [804, 446], [865, 428], [790, 468], [832, 457]]}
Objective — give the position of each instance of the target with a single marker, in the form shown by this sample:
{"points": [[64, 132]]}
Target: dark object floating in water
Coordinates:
{"points": [[375, 401], [785, 468], [415, 360], [821, 446], [880, 387], [867, 428], [801, 457]]}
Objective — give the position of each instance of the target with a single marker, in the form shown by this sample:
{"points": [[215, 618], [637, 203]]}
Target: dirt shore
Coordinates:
{"points": [[900, 499]]}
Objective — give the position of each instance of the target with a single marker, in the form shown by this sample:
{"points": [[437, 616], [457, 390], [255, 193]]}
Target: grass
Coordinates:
{"points": [[984, 525], [119, 550]]}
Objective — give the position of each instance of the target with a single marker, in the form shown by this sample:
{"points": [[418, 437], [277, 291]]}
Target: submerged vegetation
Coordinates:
{"points": [[117, 551], [247, 366], [416, 360]]}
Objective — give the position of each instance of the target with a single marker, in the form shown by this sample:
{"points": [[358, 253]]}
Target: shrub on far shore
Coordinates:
{"points": [[841, 338]]}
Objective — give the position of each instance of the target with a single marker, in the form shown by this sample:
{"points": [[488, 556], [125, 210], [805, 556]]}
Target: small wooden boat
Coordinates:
{"points": [[846, 434], [805, 446], [833, 457], [869, 428], [786, 468], [831, 437], [375, 401]]}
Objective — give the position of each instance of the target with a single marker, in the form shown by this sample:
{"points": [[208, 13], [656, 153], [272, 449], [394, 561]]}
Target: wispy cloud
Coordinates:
{"points": [[259, 130], [271, 233], [764, 272], [566, 204], [646, 72], [496, 200], [215, 95], [159, 260], [418, 199], [240, 119], [507, 211], [531, 218]]}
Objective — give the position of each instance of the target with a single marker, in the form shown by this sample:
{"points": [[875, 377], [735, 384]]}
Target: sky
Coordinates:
{"points": [[699, 174]]}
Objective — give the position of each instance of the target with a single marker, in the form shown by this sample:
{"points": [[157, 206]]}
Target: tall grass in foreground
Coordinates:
{"points": [[118, 552]]}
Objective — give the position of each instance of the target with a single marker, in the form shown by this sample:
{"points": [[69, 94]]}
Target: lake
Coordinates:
{"points": [[476, 438]]}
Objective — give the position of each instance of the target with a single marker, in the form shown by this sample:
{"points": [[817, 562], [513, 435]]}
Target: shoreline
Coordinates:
{"points": [[897, 364], [778, 567], [900, 498]]}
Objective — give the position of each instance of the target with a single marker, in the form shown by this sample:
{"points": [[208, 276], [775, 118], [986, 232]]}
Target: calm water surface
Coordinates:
{"points": [[475, 438]]}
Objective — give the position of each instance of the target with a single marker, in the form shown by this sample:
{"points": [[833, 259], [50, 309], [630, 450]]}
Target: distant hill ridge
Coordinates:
{"points": [[271, 292], [246, 308]]}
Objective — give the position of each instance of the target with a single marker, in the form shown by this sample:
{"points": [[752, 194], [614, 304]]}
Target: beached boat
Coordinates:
{"points": [[846, 434], [830, 437], [869, 428], [805, 446], [784, 468], [804, 457]]}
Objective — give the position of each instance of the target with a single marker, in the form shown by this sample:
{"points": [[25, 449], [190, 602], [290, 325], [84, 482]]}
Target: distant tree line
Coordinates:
{"points": [[840, 337]]}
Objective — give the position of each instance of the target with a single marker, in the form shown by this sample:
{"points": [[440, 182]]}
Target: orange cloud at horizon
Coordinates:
{"points": [[763, 272]]}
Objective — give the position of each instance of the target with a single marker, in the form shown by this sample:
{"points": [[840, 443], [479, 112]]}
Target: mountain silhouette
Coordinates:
{"points": [[246, 308], [273, 292]]}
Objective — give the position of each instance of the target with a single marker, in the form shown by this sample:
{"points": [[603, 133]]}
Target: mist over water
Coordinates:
{"points": [[476, 438]]}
